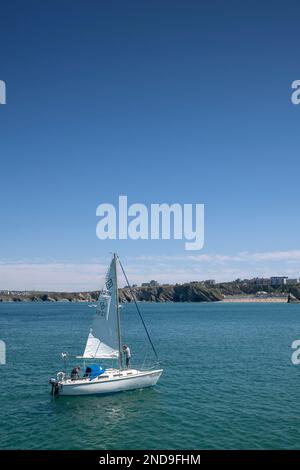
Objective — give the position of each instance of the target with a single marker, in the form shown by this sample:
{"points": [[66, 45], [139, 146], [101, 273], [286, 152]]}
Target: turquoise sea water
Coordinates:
{"points": [[228, 382]]}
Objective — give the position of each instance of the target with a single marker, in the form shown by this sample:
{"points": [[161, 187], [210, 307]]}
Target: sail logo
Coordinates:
{"points": [[2, 92], [103, 305], [160, 222], [2, 352], [103, 309]]}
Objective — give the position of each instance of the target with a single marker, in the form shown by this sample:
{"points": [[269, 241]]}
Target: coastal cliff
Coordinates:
{"points": [[188, 292]]}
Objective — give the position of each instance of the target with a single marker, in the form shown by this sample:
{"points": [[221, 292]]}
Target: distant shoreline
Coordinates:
{"points": [[233, 292], [255, 300], [229, 299]]}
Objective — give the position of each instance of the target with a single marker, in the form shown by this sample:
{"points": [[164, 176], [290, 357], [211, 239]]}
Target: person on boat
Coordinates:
{"points": [[88, 372], [75, 373], [127, 353]]}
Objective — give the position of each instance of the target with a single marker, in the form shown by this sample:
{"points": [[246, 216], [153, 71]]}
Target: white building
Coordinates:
{"points": [[262, 281], [210, 282], [292, 282], [278, 281]]}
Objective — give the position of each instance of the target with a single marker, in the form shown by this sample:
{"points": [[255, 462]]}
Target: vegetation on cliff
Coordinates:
{"points": [[189, 292]]}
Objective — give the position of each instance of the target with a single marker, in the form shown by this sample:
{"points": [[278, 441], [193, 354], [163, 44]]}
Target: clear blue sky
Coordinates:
{"points": [[164, 101]]}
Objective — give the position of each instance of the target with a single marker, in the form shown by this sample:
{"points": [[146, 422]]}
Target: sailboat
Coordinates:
{"points": [[104, 342]]}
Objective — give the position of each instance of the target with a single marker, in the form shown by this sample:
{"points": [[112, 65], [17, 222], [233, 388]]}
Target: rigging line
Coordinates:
{"points": [[137, 307]]}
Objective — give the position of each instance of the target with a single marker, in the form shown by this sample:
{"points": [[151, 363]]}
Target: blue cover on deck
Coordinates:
{"points": [[96, 370]]}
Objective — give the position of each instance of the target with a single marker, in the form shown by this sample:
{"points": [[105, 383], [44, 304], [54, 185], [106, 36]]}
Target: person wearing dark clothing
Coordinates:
{"points": [[88, 371], [75, 373]]}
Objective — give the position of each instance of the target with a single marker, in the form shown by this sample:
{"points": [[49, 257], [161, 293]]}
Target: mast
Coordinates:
{"points": [[118, 313]]}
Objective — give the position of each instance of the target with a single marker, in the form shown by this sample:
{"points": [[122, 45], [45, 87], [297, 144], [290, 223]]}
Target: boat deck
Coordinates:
{"points": [[109, 374]]}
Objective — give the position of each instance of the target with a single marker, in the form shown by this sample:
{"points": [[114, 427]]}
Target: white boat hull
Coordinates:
{"points": [[113, 382]]}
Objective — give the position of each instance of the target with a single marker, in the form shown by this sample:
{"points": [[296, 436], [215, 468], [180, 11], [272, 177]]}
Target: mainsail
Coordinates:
{"points": [[103, 341]]}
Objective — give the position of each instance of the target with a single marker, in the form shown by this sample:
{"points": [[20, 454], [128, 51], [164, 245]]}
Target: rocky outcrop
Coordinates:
{"points": [[189, 292], [292, 299]]}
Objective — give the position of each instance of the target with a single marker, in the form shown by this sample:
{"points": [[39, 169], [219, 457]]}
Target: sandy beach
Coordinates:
{"points": [[281, 299]]}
